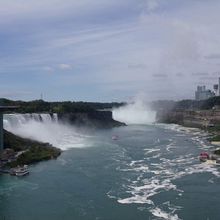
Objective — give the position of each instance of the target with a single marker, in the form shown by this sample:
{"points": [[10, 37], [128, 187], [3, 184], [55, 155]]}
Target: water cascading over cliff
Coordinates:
{"points": [[134, 113], [44, 128]]}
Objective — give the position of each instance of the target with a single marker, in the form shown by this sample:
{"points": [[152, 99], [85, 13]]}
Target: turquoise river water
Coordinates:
{"points": [[150, 172]]}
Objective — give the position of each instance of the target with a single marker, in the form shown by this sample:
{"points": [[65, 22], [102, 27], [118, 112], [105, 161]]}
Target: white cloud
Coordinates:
{"points": [[25, 11], [64, 66], [122, 54]]}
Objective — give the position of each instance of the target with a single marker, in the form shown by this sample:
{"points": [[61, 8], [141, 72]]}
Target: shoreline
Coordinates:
{"points": [[216, 143], [20, 151], [211, 136]]}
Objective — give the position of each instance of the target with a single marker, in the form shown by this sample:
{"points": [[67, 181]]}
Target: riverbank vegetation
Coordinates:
{"points": [[32, 151], [39, 106]]}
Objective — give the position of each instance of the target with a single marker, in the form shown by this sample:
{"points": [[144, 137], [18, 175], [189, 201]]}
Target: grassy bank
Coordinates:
{"points": [[33, 151]]}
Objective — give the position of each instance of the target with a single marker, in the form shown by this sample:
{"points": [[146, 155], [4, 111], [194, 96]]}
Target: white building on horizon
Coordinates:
{"points": [[202, 93]]}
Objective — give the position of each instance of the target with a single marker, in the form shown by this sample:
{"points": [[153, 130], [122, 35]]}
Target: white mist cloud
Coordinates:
{"points": [[48, 131], [134, 113]]}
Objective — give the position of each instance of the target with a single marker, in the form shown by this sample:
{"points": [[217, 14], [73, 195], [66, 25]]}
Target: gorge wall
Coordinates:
{"points": [[199, 118], [92, 119]]}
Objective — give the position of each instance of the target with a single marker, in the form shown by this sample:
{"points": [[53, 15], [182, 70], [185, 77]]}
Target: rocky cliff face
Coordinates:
{"points": [[200, 119], [92, 119]]}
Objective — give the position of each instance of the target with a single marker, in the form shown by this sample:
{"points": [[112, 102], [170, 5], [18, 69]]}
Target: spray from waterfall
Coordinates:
{"points": [[44, 128], [136, 112]]}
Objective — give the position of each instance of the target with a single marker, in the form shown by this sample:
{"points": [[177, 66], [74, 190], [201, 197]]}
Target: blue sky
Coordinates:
{"points": [[101, 50]]}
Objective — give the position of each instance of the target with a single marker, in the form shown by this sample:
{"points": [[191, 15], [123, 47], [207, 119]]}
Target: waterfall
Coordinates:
{"points": [[16, 120], [134, 113], [44, 128]]}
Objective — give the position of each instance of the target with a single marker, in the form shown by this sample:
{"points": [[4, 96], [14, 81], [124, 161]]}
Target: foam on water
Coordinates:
{"points": [[152, 178], [181, 129], [157, 212], [151, 150]]}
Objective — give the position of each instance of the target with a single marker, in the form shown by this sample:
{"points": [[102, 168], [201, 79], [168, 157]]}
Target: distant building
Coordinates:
{"points": [[202, 93]]}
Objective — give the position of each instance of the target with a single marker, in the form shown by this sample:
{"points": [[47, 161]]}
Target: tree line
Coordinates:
{"points": [[57, 107]]}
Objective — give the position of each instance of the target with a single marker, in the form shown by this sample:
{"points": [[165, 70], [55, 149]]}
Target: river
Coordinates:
{"points": [[149, 172]]}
